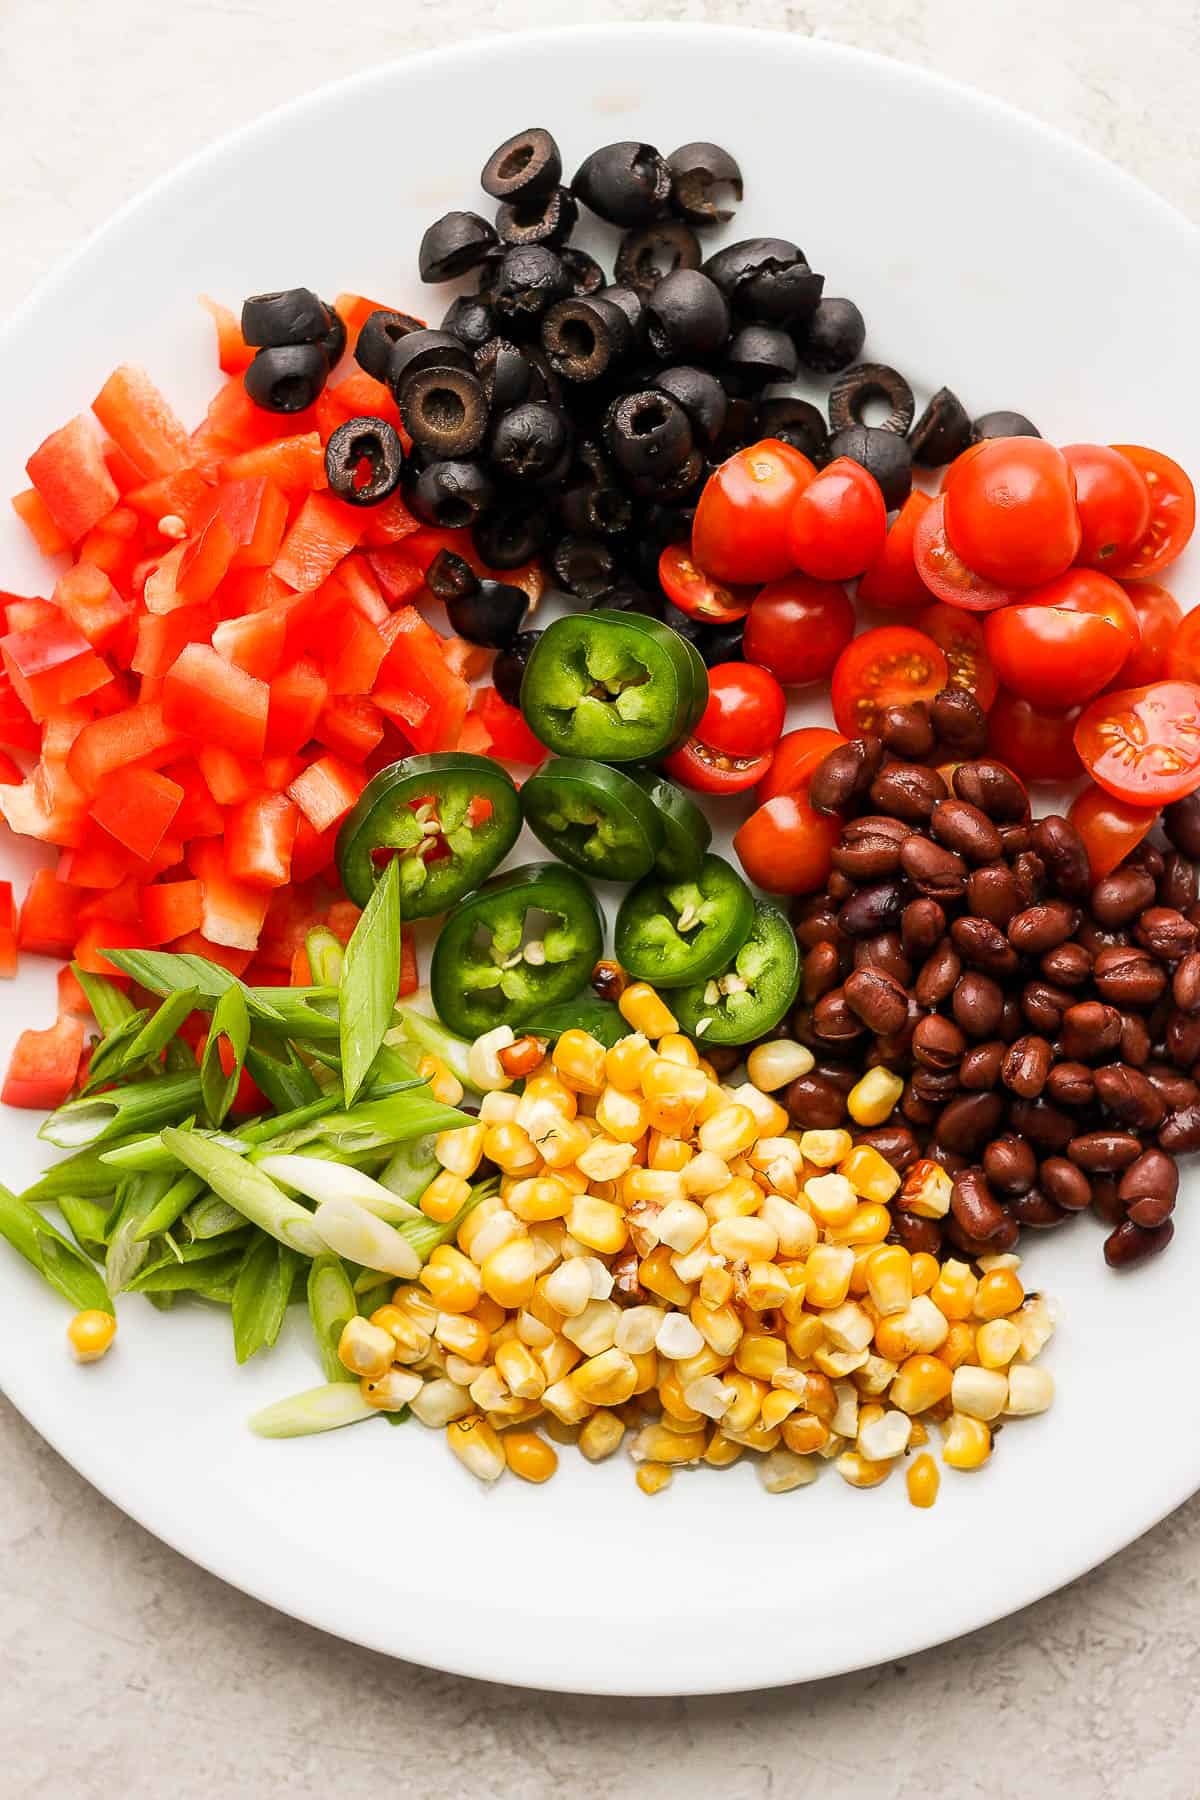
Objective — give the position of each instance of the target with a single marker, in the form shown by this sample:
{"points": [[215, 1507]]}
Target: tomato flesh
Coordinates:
{"points": [[741, 529], [960, 639], [892, 579], [797, 754], [1110, 828], [1143, 744], [1172, 514], [943, 571], [698, 766], [888, 666], [797, 628], [697, 594], [1037, 745]]}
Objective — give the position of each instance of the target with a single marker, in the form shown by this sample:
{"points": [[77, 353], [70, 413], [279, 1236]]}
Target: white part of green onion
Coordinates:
{"points": [[337, 1181], [351, 1231], [318, 1409]]}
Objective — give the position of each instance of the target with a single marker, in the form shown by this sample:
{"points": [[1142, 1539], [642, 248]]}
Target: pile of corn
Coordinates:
{"points": [[667, 1261]]}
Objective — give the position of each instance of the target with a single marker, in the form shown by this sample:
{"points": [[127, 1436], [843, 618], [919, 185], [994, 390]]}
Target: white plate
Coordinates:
{"points": [[987, 253]]}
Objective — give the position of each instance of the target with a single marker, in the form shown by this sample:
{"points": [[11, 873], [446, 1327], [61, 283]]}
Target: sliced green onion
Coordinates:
{"points": [[108, 1000], [427, 1235], [86, 1221], [149, 1155], [370, 980], [356, 1234], [179, 1196], [247, 1190], [336, 1181], [261, 1294], [56, 1259], [208, 1277], [326, 956], [110, 1058], [163, 1026], [127, 1250], [427, 1035], [230, 1025], [279, 1074], [319, 1409], [143, 1106], [85, 1174], [331, 1306], [411, 1169], [210, 1218]]}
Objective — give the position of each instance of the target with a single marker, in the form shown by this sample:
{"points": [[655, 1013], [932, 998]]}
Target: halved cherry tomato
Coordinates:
{"points": [[960, 639], [943, 570], [891, 579], [1113, 502], [1172, 513], [839, 522], [697, 765], [1110, 828], [1010, 511], [745, 710], [1183, 656], [797, 628], [1143, 744], [1158, 616], [1066, 641], [796, 756], [786, 847], [1036, 745], [742, 521], [696, 593], [890, 665]]}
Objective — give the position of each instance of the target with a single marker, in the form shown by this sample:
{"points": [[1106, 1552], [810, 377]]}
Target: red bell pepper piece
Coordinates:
{"points": [[44, 1066], [234, 354], [512, 740], [398, 574], [322, 533], [313, 851], [136, 734], [123, 902], [216, 702], [259, 837], [22, 613], [326, 792], [351, 726], [93, 605], [352, 651], [230, 779], [415, 667], [205, 561], [255, 642], [410, 976], [102, 935], [38, 520], [296, 464], [475, 736], [298, 696], [194, 943], [354, 310], [71, 997], [141, 423], [255, 510], [170, 909], [162, 636], [358, 395], [468, 661], [251, 590], [160, 589], [137, 807], [97, 861], [352, 580], [48, 923], [389, 522], [199, 814], [70, 473], [233, 911], [10, 775], [31, 813], [17, 729], [184, 495], [291, 915], [51, 665]]}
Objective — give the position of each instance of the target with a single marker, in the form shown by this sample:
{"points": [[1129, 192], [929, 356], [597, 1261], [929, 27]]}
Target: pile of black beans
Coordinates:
{"points": [[1047, 1028]]}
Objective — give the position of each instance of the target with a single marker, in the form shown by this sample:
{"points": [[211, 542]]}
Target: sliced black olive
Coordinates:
{"points": [[626, 183], [740, 427], [529, 441], [508, 670], [538, 218], [444, 411], [702, 177], [380, 334], [291, 316], [850, 393], [456, 242], [795, 422], [491, 615], [632, 305], [592, 501], [766, 280], [687, 315], [529, 279], [942, 432], [506, 374], [679, 485], [832, 336], [650, 253], [451, 493], [1002, 424], [758, 355], [701, 396], [527, 163], [418, 350], [470, 320], [364, 461], [584, 338], [648, 433], [583, 271], [884, 454], [285, 378], [627, 596], [449, 576], [511, 534], [545, 384], [334, 341], [722, 643], [586, 567]]}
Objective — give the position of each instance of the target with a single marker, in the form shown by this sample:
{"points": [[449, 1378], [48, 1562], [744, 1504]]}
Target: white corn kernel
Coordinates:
{"points": [[637, 1329], [825, 1148], [568, 1289], [848, 1327], [832, 1199], [795, 1229], [844, 1422], [604, 1160], [497, 1108], [924, 1328], [439, 1402], [483, 1059], [595, 1328], [769, 1116], [1030, 1390], [682, 1225], [884, 1438], [600, 1275], [706, 1174], [750, 1239], [709, 1395], [1035, 1321], [980, 1393], [782, 1470], [392, 1391], [678, 1338], [776, 1064]]}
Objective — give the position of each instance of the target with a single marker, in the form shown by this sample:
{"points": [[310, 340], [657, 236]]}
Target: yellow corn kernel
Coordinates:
{"points": [[832, 1199], [443, 1084], [996, 1343], [859, 1472], [1035, 1322], [679, 1049], [601, 1435], [728, 1132], [655, 1444], [873, 1098], [918, 1436], [654, 1478], [392, 1391], [999, 1293], [738, 1199], [923, 1481], [978, 1392], [579, 1059], [439, 1401], [848, 1327], [646, 1364], [565, 1403], [663, 1078], [889, 1278], [804, 1335], [706, 1174], [366, 1349], [765, 1287], [460, 1152], [744, 1240], [451, 1279], [657, 1186], [90, 1334], [760, 1355], [706, 1361], [606, 1380], [624, 1063], [870, 1225], [968, 1442], [538, 1198], [771, 1118], [925, 1271], [622, 1115], [959, 1346], [669, 1154], [804, 1433], [716, 1287], [529, 1456], [391, 1317], [922, 1382], [445, 1197], [778, 1406], [825, 1149], [920, 1326], [463, 1335], [838, 1364], [658, 1277], [509, 1273], [775, 1064], [487, 1312], [722, 1452], [558, 1141], [875, 1376], [477, 1446], [498, 1108], [544, 1084], [598, 1224], [870, 1175], [510, 1147], [533, 1331], [678, 1410], [497, 1227], [719, 1326], [558, 1359], [643, 1011], [520, 1371], [827, 1275], [595, 1328], [953, 1293]]}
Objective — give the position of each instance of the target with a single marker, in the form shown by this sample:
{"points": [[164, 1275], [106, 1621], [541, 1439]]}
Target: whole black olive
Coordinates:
{"points": [[632, 305], [380, 334], [740, 427], [884, 454], [851, 392], [586, 567], [471, 321], [700, 176], [1002, 424], [701, 396], [529, 440], [832, 336], [334, 341], [766, 279], [370, 442], [795, 422], [722, 643], [942, 432], [451, 493], [626, 183], [456, 242], [511, 534], [529, 279], [506, 374], [285, 378], [415, 350], [758, 355], [584, 338], [648, 433], [492, 615], [652, 252], [538, 218], [444, 411], [508, 670], [450, 576], [291, 316], [527, 163], [687, 315], [583, 271]]}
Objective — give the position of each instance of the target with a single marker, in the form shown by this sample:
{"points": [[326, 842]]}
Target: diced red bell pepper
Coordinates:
{"points": [[205, 561], [234, 354], [296, 464], [230, 779], [160, 589], [199, 814], [70, 473], [351, 726], [17, 729], [184, 495], [216, 702], [162, 636], [326, 792], [354, 310], [301, 971], [97, 861], [512, 740], [359, 395], [298, 696], [255, 510], [10, 775], [233, 423], [136, 734], [26, 614], [170, 909], [397, 573], [51, 665], [341, 919], [464, 659], [255, 642], [93, 605], [278, 772], [430, 540], [475, 737], [30, 813], [122, 902], [125, 473], [233, 911], [353, 580], [137, 807], [101, 935], [415, 668], [351, 650], [259, 837], [141, 423], [39, 521], [251, 590], [292, 914], [48, 923], [389, 522], [322, 533], [410, 976], [8, 954], [313, 851], [71, 997], [44, 1066], [194, 943]]}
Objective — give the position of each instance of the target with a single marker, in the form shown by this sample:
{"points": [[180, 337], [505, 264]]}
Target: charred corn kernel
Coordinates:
{"points": [[568, 1289], [498, 1108], [716, 1287], [666, 1153], [598, 1224], [773, 1065], [677, 1338], [873, 1099], [510, 1147], [529, 1455], [643, 1011], [722, 1452], [996, 1343], [873, 1178], [922, 1382], [744, 1240], [884, 1437], [90, 1334], [538, 1198], [1035, 1322], [460, 1152], [595, 1329], [444, 1085], [923, 1481], [601, 1435], [624, 1063], [859, 1472], [445, 1197], [520, 1371], [875, 1376], [558, 1359], [719, 1326], [580, 1060], [654, 1478], [465, 1336], [666, 1079], [847, 1326], [706, 1174], [391, 1391], [738, 1199], [889, 1278], [827, 1275], [926, 1190], [832, 1199], [953, 1293], [959, 1346], [498, 1228], [623, 1116], [366, 1349], [483, 1059], [509, 1273], [477, 1446], [925, 1272], [999, 1293], [825, 1149], [658, 1277], [759, 1355], [980, 1393], [968, 1442], [439, 1401], [606, 1380], [565, 1402], [728, 1132], [804, 1335], [1030, 1390], [655, 1444], [637, 1329]]}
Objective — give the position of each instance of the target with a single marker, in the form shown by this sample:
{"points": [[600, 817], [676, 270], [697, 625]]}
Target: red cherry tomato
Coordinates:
{"points": [[883, 667], [786, 847], [741, 527], [696, 593], [1172, 513], [796, 756], [697, 765], [1113, 502], [1143, 744], [1183, 656], [891, 579], [1110, 828], [798, 628], [960, 639], [1158, 616], [1011, 512], [839, 523], [1066, 641], [1036, 745], [745, 710], [943, 571]]}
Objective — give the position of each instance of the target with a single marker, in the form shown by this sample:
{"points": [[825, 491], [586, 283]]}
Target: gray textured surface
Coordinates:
{"points": [[123, 1669]]}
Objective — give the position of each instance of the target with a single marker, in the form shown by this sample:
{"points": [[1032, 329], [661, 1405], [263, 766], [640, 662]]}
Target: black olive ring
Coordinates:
{"points": [[370, 441], [871, 381]]}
